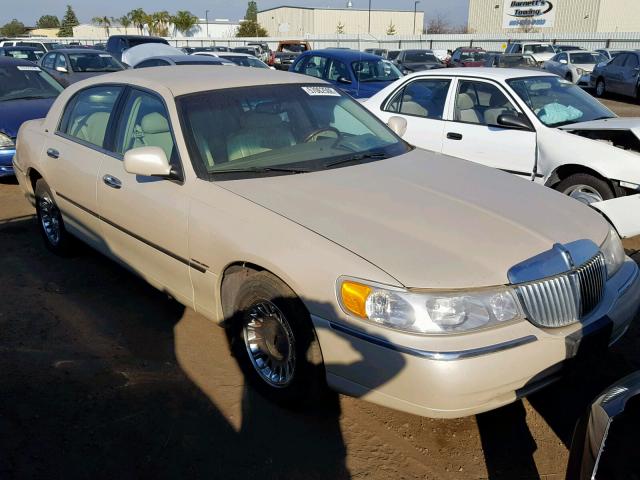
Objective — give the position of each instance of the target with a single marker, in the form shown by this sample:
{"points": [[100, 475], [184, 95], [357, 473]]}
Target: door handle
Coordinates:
{"points": [[53, 153], [112, 181], [454, 136]]}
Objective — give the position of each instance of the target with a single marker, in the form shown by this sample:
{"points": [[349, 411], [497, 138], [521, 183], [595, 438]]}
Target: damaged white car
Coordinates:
{"points": [[532, 124]]}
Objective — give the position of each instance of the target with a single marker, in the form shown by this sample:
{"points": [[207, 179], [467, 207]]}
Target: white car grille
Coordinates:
{"points": [[565, 299]]}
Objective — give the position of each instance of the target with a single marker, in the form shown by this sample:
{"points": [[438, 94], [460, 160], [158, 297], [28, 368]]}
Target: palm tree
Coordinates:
{"points": [[183, 21], [138, 17], [102, 22], [125, 21], [160, 22]]}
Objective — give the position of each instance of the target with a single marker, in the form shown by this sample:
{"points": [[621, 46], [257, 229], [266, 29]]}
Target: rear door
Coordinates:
{"points": [[472, 131], [144, 219], [629, 75], [613, 73], [338, 74], [421, 102], [75, 152]]}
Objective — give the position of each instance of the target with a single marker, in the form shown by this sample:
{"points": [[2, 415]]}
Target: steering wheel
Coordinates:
{"points": [[313, 136]]}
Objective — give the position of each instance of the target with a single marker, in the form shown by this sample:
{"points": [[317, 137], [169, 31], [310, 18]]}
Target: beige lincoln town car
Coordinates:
{"points": [[331, 250]]}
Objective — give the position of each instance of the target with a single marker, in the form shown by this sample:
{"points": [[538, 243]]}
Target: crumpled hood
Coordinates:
{"points": [[616, 123], [428, 220], [14, 113]]}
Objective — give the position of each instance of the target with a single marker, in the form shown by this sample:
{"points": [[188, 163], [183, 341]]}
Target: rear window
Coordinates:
{"points": [[134, 42]]}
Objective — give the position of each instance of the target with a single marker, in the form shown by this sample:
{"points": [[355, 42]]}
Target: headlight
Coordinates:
{"points": [[428, 312], [5, 141], [613, 252], [580, 71]]}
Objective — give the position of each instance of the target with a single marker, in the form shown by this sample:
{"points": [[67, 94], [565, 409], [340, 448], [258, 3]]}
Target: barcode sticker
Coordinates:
{"points": [[27, 68], [321, 91]]}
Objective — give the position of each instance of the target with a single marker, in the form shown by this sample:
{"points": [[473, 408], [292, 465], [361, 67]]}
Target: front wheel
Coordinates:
{"points": [[273, 340], [50, 223], [600, 88], [586, 188]]}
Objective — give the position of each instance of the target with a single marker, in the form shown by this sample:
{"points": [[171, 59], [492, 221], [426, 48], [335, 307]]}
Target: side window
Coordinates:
{"points": [[156, 62], [562, 56], [632, 61], [480, 103], [48, 60], [87, 115], [337, 70], [421, 98], [61, 61], [619, 60], [144, 123], [517, 48], [299, 66], [315, 66]]}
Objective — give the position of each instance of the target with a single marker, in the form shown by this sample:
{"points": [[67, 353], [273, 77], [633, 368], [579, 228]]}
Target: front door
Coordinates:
{"points": [[144, 219], [472, 131]]}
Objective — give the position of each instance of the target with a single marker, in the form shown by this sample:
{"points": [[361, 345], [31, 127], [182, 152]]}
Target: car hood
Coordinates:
{"points": [[16, 112], [616, 123], [418, 66], [428, 220], [542, 56]]}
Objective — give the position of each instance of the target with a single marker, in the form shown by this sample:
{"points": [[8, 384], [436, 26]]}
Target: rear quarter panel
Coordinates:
{"points": [[29, 149]]}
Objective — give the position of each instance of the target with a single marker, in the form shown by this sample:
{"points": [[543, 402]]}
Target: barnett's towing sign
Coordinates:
{"points": [[528, 13]]}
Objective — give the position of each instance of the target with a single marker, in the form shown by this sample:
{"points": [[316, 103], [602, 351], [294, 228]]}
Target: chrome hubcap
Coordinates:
{"points": [[584, 194], [49, 218], [270, 344], [600, 88]]}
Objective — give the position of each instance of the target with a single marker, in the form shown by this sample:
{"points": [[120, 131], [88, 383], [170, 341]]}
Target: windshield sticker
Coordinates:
{"points": [[105, 55], [28, 69], [321, 91]]}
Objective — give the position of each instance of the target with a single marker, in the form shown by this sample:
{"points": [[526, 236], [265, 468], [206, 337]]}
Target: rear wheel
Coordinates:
{"points": [[50, 222], [273, 340], [586, 188], [600, 88]]}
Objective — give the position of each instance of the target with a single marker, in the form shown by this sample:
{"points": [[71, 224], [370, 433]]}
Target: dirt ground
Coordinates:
{"points": [[101, 376]]}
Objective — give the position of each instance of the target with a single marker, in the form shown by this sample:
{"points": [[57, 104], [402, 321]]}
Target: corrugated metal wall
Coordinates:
{"points": [[572, 16]]}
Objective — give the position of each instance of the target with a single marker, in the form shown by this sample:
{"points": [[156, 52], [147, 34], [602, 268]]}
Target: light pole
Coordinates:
{"points": [[415, 10], [206, 20], [369, 30]]}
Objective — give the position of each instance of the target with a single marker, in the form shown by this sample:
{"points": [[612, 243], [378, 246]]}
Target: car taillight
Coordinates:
{"points": [[272, 58]]}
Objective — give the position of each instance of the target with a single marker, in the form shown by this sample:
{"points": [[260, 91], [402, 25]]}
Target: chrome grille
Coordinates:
{"points": [[566, 298]]}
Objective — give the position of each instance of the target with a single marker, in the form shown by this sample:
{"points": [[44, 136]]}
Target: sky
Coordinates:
{"points": [[28, 11]]}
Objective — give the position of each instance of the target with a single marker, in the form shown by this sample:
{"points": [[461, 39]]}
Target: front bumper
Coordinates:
{"points": [[6, 165], [446, 382], [584, 80]]}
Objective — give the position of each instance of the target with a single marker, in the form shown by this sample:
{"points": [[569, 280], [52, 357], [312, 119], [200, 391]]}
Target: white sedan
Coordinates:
{"points": [[240, 59], [532, 124], [576, 65]]}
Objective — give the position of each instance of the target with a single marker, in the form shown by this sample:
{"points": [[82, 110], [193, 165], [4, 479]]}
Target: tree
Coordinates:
{"points": [[392, 29], [125, 21], [68, 22], [138, 16], [439, 24], [340, 28], [160, 23], [252, 12], [183, 21], [48, 21], [13, 29], [102, 22], [251, 29]]}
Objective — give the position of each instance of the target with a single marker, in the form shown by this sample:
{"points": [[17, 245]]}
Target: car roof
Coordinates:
{"points": [[186, 58], [21, 47], [482, 72], [7, 61], [229, 54], [193, 79], [344, 55], [79, 50]]}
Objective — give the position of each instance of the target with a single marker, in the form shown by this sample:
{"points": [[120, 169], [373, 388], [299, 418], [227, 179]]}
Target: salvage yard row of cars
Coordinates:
{"points": [[359, 244]]}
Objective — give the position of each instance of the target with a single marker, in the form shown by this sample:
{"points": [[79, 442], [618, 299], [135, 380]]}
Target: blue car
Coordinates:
{"points": [[26, 92], [359, 74]]}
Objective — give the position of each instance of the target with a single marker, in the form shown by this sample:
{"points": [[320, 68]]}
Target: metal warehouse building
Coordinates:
{"points": [[300, 21], [554, 16]]}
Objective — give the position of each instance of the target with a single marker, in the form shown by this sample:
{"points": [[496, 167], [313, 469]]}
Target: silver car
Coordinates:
{"points": [[621, 75], [575, 66]]}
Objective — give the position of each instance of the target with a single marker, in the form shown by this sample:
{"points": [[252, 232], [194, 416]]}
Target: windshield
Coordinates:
{"points": [[277, 129], [516, 61], [25, 82], [539, 48], [420, 57], [294, 47], [134, 42], [587, 58], [245, 61], [393, 54], [376, 71], [557, 102], [472, 56], [31, 55], [94, 62]]}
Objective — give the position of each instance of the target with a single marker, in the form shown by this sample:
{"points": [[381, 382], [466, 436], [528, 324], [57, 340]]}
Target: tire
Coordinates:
{"points": [[287, 367], [601, 88], [50, 222], [586, 188]]}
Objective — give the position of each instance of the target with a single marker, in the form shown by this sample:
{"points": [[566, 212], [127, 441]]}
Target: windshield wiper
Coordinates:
{"points": [[357, 158], [27, 97], [262, 170]]}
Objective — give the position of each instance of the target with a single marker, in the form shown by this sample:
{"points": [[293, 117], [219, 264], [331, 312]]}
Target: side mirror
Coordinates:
{"points": [[398, 125], [563, 61], [600, 434], [62, 69], [344, 80], [148, 162], [514, 121]]}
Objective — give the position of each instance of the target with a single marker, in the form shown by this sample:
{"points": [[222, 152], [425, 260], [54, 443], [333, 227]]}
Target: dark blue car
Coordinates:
{"points": [[359, 74], [26, 92]]}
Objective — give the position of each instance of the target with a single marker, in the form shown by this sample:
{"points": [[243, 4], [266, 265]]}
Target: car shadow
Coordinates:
{"points": [[104, 376]]}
